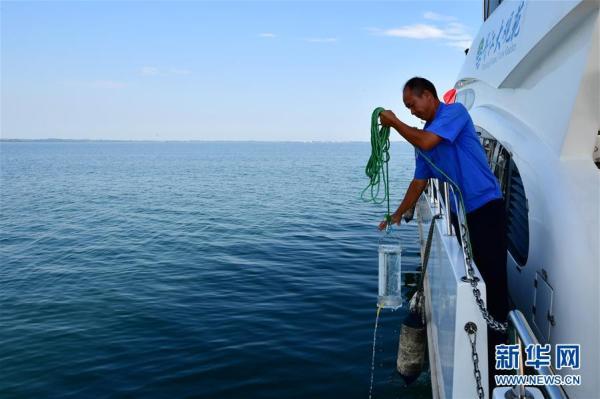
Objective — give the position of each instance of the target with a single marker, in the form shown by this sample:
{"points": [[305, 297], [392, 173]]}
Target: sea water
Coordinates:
{"points": [[213, 270], [373, 354]]}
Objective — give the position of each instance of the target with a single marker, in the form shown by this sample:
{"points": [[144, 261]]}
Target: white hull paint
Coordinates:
{"points": [[539, 97]]}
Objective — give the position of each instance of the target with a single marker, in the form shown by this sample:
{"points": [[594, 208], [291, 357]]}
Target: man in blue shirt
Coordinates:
{"points": [[450, 142]]}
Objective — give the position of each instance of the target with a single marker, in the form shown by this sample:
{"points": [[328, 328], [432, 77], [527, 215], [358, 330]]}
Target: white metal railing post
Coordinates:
{"points": [[527, 337], [521, 371], [435, 192], [447, 209]]}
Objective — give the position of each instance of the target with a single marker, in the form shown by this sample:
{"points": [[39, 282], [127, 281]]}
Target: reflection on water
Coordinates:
{"points": [[194, 270]]}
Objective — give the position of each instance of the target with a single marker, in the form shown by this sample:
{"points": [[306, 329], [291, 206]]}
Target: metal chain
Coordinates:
{"points": [[471, 330], [489, 319], [466, 246]]}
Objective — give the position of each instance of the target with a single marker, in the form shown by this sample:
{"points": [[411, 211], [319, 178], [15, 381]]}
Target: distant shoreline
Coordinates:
{"points": [[52, 140]]}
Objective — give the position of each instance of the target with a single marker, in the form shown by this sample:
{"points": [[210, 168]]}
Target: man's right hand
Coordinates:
{"points": [[387, 118]]}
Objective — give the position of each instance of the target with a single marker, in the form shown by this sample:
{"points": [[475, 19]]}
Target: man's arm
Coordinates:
{"points": [[413, 193], [419, 138]]}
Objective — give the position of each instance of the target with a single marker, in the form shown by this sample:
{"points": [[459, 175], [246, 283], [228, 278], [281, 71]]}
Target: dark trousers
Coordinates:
{"points": [[487, 231]]}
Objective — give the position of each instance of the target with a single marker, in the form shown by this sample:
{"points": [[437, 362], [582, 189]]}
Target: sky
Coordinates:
{"points": [[282, 71]]}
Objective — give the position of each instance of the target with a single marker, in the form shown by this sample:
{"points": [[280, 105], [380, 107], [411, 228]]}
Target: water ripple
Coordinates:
{"points": [[194, 270]]}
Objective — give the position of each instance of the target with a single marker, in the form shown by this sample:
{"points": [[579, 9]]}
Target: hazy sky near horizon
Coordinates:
{"points": [[221, 70]]}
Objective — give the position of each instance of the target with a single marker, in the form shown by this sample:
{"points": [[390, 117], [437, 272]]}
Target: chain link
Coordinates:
{"points": [[471, 330], [489, 319]]}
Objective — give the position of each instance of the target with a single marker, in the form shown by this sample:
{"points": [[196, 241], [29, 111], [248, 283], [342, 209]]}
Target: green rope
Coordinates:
{"points": [[377, 166], [461, 203]]}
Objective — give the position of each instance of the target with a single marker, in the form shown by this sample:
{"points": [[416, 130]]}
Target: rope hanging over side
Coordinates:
{"points": [[461, 202], [377, 166], [417, 302], [468, 250]]}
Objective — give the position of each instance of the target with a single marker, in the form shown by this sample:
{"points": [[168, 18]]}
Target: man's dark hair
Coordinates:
{"points": [[417, 85]]}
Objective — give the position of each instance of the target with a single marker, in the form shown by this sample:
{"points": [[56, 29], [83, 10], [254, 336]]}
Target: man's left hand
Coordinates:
{"points": [[387, 118], [396, 219]]}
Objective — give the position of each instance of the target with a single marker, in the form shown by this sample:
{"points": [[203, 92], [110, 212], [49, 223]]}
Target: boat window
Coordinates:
{"points": [[466, 97], [489, 6], [504, 167]]}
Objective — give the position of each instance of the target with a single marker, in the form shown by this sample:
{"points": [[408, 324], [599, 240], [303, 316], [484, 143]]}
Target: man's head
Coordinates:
{"points": [[419, 95]]}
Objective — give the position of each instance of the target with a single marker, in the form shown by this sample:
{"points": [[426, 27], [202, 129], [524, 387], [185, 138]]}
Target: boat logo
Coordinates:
{"points": [[500, 41]]}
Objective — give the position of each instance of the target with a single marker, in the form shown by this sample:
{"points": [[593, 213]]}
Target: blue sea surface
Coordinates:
{"points": [[195, 270]]}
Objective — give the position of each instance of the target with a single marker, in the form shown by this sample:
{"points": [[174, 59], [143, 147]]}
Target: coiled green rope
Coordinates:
{"points": [[377, 166]]}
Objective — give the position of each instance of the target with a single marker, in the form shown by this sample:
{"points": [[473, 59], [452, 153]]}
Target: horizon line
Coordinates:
{"points": [[183, 140]]}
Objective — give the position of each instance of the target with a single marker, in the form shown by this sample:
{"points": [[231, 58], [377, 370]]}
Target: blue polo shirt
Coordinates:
{"points": [[460, 155]]}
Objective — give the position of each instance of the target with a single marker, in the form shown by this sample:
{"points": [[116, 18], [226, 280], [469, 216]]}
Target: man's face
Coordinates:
{"points": [[422, 106]]}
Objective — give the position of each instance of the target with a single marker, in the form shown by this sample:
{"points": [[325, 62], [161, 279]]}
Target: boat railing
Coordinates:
{"points": [[440, 193], [524, 336], [439, 196]]}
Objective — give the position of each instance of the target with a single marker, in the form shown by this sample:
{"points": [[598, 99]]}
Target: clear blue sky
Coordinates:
{"points": [[221, 70]]}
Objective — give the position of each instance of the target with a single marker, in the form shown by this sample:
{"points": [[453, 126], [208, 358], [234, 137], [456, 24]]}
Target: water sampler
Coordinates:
{"points": [[411, 347], [390, 278]]}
